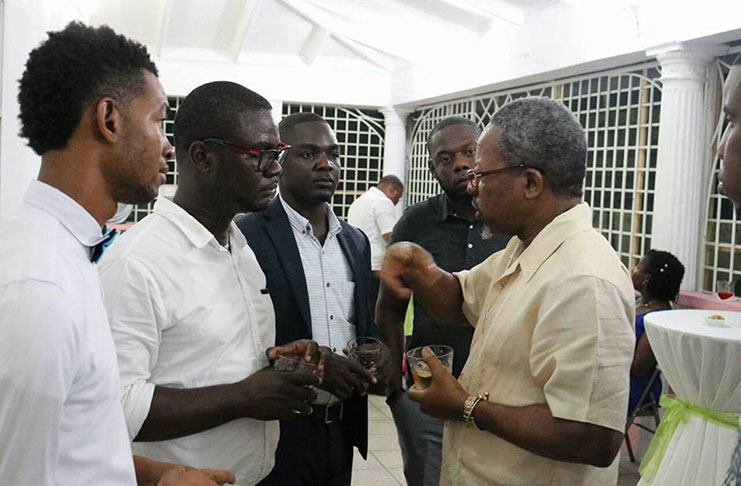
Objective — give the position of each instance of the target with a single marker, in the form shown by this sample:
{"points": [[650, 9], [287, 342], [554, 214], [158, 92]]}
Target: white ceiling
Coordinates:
{"points": [[394, 52], [385, 34]]}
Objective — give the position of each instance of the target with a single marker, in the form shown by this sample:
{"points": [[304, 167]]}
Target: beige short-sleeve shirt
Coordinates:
{"points": [[554, 325]]}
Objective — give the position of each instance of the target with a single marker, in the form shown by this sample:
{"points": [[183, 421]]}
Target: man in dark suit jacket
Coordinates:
{"points": [[318, 276]]}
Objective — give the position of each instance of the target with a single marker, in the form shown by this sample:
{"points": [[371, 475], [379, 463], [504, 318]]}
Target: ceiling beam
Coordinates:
{"points": [[452, 13], [241, 29], [368, 53], [491, 9], [341, 28], [164, 14], [313, 44]]}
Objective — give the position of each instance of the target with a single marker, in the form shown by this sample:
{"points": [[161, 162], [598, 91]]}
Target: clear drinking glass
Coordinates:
{"points": [[420, 371], [285, 363], [724, 289], [367, 351]]}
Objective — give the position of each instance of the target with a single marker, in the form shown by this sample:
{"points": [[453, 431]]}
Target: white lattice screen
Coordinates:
{"points": [[361, 135], [721, 254], [359, 132], [620, 111]]}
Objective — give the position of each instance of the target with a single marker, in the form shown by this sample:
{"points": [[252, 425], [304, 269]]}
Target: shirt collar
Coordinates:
{"points": [[302, 224], [445, 211], [66, 210], [565, 225], [193, 230]]}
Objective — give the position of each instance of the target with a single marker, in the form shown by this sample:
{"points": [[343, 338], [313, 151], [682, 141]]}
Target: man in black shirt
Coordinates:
{"points": [[445, 226]]}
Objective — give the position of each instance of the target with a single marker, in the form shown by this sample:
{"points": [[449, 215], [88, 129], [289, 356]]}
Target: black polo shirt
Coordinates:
{"points": [[456, 244]]}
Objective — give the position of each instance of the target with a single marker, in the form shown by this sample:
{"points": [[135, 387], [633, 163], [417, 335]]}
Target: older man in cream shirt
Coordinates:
{"points": [[543, 395]]}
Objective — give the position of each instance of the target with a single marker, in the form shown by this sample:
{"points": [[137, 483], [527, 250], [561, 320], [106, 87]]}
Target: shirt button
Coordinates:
{"points": [[331, 317], [327, 284], [470, 245], [470, 227]]}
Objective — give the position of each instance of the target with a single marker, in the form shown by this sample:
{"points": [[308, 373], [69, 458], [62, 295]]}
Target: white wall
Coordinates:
{"points": [[18, 163], [563, 40]]}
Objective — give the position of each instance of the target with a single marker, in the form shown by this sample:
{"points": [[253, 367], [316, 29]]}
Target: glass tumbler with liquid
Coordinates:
{"points": [[420, 371]]}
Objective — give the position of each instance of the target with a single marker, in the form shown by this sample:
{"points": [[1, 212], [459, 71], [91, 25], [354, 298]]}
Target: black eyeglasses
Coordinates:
{"points": [[265, 157], [474, 176]]}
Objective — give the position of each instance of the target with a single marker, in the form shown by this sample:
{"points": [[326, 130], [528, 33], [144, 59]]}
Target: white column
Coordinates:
{"points": [[395, 145], [395, 142], [678, 204]]}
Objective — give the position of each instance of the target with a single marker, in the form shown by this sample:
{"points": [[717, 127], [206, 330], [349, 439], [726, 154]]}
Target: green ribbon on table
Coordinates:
{"points": [[678, 411]]}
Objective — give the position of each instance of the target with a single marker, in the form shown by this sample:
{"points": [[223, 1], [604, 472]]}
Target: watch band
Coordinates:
{"points": [[469, 406]]}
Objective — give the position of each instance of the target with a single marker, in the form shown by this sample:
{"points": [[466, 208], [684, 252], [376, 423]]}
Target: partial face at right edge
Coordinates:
{"points": [[729, 150]]}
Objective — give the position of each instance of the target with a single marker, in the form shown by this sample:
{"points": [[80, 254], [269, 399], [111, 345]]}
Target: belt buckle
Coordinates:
{"points": [[327, 419]]}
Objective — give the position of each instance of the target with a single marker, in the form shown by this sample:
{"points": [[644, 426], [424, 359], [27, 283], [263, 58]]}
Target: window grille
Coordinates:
{"points": [[721, 255], [361, 135], [359, 132], [620, 112]]}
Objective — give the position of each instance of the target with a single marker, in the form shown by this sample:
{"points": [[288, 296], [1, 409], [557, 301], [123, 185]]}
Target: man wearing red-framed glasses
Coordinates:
{"points": [[188, 304]]}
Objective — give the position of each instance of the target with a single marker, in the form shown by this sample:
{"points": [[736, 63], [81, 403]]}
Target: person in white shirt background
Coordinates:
{"points": [[374, 213], [91, 106], [188, 303]]}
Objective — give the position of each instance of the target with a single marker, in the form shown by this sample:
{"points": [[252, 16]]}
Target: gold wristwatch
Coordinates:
{"points": [[469, 406]]}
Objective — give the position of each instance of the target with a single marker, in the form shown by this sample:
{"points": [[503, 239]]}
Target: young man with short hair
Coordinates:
{"points": [[91, 106]]}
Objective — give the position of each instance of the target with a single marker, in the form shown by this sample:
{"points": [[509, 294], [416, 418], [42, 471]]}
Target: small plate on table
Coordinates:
{"points": [[717, 320]]}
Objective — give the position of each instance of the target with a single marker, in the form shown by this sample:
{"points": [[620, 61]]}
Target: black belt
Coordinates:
{"points": [[327, 414]]}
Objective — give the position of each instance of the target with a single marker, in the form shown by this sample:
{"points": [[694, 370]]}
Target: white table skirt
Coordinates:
{"points": [[702, 364]]}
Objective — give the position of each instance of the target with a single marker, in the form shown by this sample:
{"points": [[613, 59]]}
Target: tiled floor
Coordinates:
{"points": [[384, 466]]}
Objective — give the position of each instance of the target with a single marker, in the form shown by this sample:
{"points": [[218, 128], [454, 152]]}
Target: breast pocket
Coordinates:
{"points": [[347, 301]]}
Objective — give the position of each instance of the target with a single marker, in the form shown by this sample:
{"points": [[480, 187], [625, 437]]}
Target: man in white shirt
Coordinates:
{"points": [[318, 274], [374, 213], [188, 304], [100, 143]]}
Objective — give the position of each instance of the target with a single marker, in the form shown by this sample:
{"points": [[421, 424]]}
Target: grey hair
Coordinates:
{"points": [[542, 133]]}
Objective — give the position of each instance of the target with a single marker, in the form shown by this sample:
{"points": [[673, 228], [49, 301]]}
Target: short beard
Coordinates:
{"points": [[461, 199], [486, 232]]}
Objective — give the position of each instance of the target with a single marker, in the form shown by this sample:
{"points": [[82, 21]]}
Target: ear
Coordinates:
{"points": [[108, 119], [534, 184], [200, 157]]}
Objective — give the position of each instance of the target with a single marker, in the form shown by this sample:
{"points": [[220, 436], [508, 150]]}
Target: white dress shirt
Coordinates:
{"points": [[329, 283], [61, 421], [375, 215], [186, 313]]}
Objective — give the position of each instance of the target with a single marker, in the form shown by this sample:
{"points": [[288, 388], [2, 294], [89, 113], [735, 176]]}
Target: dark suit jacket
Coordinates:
{"points": [[270, 236]]}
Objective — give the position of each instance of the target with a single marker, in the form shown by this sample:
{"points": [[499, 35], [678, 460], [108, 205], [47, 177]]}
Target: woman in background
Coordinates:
{"points": [[657, 278]]}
